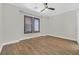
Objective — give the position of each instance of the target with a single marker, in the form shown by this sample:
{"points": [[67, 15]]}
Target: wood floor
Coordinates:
{"points": [[44, 45]]}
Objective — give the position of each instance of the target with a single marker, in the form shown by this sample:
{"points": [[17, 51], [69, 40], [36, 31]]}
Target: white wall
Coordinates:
{"points": [[1, 36], [78, 26], [14, 24], [64, 25]]}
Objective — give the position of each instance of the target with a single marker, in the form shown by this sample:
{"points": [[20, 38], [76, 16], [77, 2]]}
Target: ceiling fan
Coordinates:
{"points": [[46, 7]]}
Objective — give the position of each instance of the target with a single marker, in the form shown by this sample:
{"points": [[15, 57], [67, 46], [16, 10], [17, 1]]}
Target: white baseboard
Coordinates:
{"points": [[5, 43], [33, 37], [64, 37]]}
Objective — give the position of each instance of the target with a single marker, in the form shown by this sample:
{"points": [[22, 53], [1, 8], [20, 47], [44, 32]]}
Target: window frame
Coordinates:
{"points": [[32, 25]]}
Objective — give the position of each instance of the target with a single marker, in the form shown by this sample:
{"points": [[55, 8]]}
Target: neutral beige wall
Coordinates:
{"points": [[64, 25], [14, 24]]}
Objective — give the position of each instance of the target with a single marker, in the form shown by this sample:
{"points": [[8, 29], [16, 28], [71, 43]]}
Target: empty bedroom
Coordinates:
{"points": [[39, 28]]}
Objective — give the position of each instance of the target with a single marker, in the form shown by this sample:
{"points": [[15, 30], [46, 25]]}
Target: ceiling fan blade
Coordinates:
{"points": [[43, 9], [51, 8]]}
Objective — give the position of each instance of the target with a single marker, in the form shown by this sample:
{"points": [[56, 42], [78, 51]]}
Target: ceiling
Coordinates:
{"points": [[59, 7]]}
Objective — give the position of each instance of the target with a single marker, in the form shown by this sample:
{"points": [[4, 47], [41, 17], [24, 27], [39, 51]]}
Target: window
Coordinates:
{"points": [[27, 24], [31, 25], [36, 25]]}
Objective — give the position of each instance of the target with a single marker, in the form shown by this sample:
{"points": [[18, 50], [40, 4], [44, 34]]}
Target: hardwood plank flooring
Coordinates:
{"points": [[43, 45]]}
